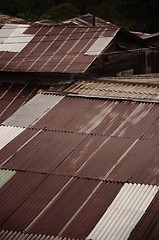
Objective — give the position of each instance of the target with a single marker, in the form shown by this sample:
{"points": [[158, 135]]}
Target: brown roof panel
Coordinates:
{"points": [[12, 147], [64, 207], [93, 210], [148, 223], [34, 203], [45, 151], [16, 191], [139, 165], [6, 58], [57, 48], [94, 157], [81, 114]]}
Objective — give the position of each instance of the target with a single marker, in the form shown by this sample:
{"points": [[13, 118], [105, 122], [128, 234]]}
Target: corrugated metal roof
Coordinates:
{"points": [[124, 212], [33, 110], [8, 133], [44, 152], [5, 235], [13, 38], [5, 176], [116, 89], [54, 48], [16, 191], [87, 20], [13, 95]]}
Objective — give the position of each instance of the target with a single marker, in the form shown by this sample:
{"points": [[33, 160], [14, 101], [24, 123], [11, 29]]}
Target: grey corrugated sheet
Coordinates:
{"points": [[116, 90], [5, 176], [33, 110], [8, 133], [13, 39], [124, 213], [13, 235]]}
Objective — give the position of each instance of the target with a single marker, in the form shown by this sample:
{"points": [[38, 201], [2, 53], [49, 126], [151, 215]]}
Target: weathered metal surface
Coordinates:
{"points": [[124, 212], [13, 38], [53, 48], [16, 144], [65, 207], [94, 157], [13, 96], [122, 119], [16, 191], [5, 176], [44, 152], [116, 90], [147, 226], [8, 133], [139, 165], [91, 213], [32, 110], [5, 234], [34, 204]]}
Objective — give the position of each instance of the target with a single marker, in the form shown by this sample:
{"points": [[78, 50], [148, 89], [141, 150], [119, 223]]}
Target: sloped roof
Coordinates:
{"points": [[45, 48], [138, 87], [72, 169], [10, 19], [87, 19]]}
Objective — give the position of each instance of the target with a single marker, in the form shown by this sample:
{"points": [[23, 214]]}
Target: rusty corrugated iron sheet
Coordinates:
{"points": [[72, 164], [16, 191], [14, 95], [5, 234], [34, 203], [44, 151], [54, 48], [99, 139]]}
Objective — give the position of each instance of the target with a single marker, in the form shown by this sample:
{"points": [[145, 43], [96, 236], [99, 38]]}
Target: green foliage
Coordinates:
{"points": [[63, 12], [137, 15]]}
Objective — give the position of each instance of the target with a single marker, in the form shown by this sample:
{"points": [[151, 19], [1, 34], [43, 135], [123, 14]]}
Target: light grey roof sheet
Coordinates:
{"points": [[124, 212], [32, 110], [8, 133]]}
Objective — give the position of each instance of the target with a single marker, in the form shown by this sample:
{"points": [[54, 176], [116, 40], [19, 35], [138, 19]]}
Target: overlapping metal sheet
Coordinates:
{"points": [[13, 38], [116, 89], [16, 191], [7, 133], [32, 110], [104, 117], [124, 213], [4, 235], [44, 151], [57, 48], [5, 176], [13, 95]]}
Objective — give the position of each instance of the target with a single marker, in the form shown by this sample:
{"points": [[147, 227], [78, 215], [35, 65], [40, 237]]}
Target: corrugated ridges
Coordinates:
{"points": [[116, 90], [6, 235], [7, 133], [14, 95], [32, 110], [56, 49], [5, 176], [124, 212]]}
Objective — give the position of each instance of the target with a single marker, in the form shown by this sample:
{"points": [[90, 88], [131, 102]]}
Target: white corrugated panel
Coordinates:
{"points": [[99, 45], [6, 235], [5, 176], [13, 38], [8, 133], [124, 213], [33, 110]]}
